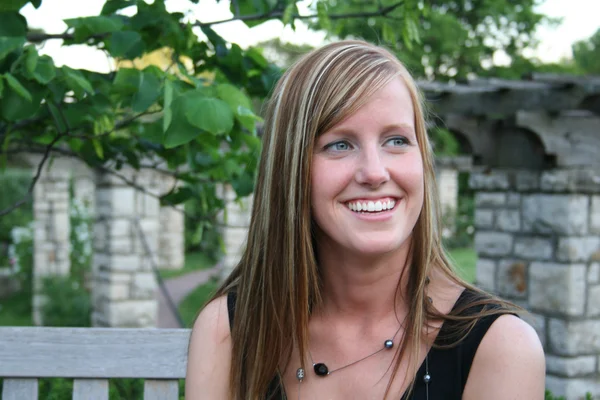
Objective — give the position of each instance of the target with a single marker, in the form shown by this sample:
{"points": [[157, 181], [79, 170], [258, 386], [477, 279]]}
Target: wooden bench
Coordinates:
{"points": [[91, 356]]}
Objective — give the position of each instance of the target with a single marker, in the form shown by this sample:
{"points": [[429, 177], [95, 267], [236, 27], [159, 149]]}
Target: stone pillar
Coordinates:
{"points": [[172, 231], [538, 242], [84, 185], [124, 282], [51, 226], [236, 223]]}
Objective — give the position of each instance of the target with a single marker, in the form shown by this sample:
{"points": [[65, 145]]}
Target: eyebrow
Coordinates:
{"points": [[405, 128]]}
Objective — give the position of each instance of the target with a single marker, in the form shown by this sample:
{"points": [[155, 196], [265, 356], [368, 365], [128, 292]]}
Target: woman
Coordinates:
{"points": [[344, 290]]}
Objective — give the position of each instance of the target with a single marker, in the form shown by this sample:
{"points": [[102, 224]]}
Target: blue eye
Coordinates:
{"points": [[397, 141], [342, 145]]}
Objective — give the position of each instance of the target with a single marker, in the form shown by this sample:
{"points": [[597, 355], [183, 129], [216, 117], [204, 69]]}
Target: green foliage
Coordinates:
{"points": [[14, 184], [442, 39], [586, 54], [68, 303]]}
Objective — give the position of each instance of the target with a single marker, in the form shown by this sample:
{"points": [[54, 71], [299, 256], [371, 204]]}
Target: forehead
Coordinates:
{"points": [[391, 105]]}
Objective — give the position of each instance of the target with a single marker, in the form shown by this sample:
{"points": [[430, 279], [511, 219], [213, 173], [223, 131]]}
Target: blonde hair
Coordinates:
{"points": [[277, 278]]}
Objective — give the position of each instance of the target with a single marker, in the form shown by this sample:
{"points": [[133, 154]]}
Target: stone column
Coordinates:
{"points": [[124, 282], [172, 231], [538, 242], [237, 221], [51, 226]]}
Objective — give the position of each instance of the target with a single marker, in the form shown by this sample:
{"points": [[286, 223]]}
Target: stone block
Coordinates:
{"points": [[121, 245], [527, 180], [512, 278], [486, 274], [494, 180], [573, 338], [132, 313], [593, 301], [573, 388], [595, 215], [152, 206], [508, 220], [532, 248], [493, 243], [538, 322], [124, 263], [490, 199], [570, 366], [594, 273], [557, 288], [513, 200], [119, 227], [112, 290], [143, 286], [578, 249], [484, 218], [559, 214], [235, 239], [556, 180], [61, 227]]}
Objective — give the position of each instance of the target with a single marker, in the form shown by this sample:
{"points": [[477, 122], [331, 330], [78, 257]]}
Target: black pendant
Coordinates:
{"points": [[321, 369]]}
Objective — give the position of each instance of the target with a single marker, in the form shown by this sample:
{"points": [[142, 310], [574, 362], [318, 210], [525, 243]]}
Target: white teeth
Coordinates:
{"points": [[371, 206]]}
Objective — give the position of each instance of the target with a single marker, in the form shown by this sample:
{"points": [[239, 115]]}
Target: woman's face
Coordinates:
{"points": [[367, 176]]}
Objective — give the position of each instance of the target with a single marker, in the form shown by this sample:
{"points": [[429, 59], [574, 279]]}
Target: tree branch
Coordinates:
{"points": [[36, 37], [27, 197]]}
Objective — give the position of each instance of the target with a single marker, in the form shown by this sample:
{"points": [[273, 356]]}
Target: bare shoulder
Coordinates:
{"points": [[509, 363], [209, 353]]}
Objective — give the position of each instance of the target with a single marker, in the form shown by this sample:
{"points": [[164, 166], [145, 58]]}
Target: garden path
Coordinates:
{"points": [[179, 288]]}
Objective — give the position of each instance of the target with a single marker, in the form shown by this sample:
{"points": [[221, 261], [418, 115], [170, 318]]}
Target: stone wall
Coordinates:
{"points": [[538, 242], [172, 230], [125, 247]]}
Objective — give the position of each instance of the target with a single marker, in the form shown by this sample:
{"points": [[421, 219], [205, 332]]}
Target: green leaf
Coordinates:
{"points": [[88, 26], [10, 44], [179, 131], [126, 81], [209, 114], [77, 82], [168, 99], [36, 3], [12, 24], [126, 44], [112, 6], [44, 70], [15, 107], [98, 148], [323, 17], [288, 14], [177, 197], [12, 5], [233, 96], [17, 87], [247, 118], [1, 86], [147, 93], [58, 118], [31, 59], [389, 34]]}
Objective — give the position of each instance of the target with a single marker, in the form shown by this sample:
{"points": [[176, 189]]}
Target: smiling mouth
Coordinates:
{"points": [[371, 206]]}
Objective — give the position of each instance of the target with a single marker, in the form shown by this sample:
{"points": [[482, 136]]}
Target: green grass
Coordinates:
{"points": [[465, 260], [193, 303], [14, 311], [193, 262]]}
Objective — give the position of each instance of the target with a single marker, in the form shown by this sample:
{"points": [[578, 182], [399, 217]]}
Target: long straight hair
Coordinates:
{"points": [[277, 280]]}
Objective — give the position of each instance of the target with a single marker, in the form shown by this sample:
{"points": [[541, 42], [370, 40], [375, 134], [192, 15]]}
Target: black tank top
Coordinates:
{"points": [[448, 368]]}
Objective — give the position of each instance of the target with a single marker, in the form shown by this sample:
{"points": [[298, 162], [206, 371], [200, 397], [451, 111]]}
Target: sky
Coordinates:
{"points": [[580, 21]]}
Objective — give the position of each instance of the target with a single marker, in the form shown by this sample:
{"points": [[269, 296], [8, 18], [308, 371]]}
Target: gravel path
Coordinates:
{"points": [[179, 288]]}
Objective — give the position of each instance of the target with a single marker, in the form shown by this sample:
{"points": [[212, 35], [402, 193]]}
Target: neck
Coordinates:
{"points": [[363, 286]]}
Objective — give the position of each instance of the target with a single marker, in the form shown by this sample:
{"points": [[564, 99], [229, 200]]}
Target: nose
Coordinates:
{"points": [[372, 170]]}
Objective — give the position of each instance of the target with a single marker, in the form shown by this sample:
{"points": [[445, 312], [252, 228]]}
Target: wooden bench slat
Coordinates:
{"points": [[161, 389], [40, 352], [90, 389], [19, 389]]}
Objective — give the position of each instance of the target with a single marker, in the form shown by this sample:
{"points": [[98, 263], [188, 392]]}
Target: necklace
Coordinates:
{"points": [[322, 370]]}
